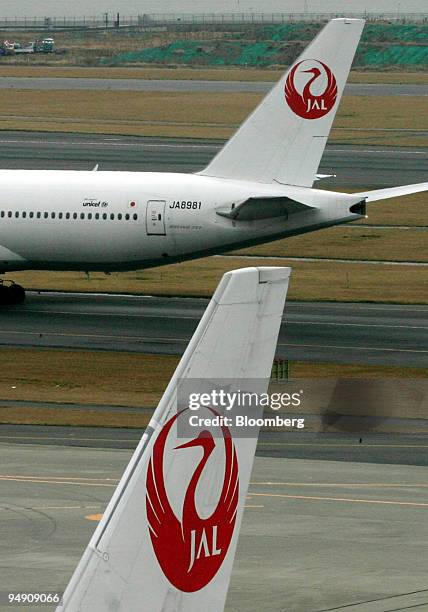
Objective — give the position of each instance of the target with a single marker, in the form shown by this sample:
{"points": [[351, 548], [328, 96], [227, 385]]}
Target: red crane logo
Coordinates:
{"points": [[191, 551], [308, 104]]}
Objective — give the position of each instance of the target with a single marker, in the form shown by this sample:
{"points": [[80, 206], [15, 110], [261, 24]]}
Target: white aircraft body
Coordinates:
{"points": [[167, 540], [258, 188]]}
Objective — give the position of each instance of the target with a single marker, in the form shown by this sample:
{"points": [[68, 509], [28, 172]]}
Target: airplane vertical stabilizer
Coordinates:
{"points": [[167, 540], [284, 138]]}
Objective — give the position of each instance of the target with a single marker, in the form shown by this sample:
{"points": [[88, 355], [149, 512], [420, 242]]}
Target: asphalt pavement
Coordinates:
{"points": [[317, 535], [187, 85], [354, 166], [311, 331]]}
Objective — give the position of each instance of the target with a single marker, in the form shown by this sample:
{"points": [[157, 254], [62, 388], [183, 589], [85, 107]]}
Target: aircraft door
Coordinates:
{"points": [[155, 218]]}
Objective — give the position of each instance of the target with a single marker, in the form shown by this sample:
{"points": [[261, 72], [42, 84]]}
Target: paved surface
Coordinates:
{"points": [[52, 83], [360, 446], [347, 333], [317, 535], [358, 166]]}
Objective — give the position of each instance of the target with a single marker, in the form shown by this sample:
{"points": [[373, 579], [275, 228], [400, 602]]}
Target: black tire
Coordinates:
{"points": [[4, 295], [16, 294]]}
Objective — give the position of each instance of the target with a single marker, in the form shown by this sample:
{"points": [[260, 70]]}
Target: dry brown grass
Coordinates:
{"points": [[379, 138], [393, 112], [204, 115], [205, 74], [68, 376], [78, 418], [418, 77], [407, 210], [121, 379], [128, 106], [350, 243], [310, 280]]}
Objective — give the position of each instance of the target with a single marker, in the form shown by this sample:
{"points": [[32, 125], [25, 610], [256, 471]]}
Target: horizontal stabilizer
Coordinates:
{"points": [[264, 208], [392, 192]]}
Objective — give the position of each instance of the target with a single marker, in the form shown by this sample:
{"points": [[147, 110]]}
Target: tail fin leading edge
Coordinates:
{"points": [[165, 544], [284, 138]]}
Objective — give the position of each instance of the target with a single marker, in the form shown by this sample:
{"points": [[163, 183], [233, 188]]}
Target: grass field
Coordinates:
{"points": [[203, 115], [350, 243], [322, 280], [124, 379], [408, 210], [208, 74]]}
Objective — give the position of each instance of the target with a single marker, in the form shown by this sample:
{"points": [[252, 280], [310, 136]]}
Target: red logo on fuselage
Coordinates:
{"points": [[191, 551], [316, 97]]}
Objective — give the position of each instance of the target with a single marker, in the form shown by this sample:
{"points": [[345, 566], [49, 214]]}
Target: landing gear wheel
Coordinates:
{"points": [[11, 293], [16, 293]]}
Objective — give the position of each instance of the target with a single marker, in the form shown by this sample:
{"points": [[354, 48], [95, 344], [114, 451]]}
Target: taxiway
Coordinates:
{"points": [[354, 166], [316, 331], [343, 534]]}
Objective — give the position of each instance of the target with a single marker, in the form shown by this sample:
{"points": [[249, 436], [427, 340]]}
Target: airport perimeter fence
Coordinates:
{"points": [[151, 20]]}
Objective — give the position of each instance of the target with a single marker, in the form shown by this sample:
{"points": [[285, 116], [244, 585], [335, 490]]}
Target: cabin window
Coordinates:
{"points": [[127, 217], [135, 216], [46, 215], [104, 216], [74, 215], [31, 215], [67, 215], [82, 215], [112, 216], [24, 214], [97, 216], [59, 215], [16, 214], [53, 215], [39, 215]]}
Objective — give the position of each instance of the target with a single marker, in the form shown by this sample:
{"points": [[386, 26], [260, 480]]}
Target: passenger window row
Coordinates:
{"points": [[53, 215]]}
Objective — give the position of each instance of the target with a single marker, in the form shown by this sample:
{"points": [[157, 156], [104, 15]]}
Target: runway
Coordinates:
{"points": [[355, 166], [342, 333], [317, 535], [188, 85]]}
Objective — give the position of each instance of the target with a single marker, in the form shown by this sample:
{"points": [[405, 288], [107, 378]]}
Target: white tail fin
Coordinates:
{"points": [[168, 537], [284, 138]]}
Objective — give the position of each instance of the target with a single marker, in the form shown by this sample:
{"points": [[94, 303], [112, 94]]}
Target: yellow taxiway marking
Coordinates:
{"points": [[66, 438], [75, 481], [97, 478], [55, 508], [98, 517], [253, 506], [343, 499], [339, 484], [110, 482], [47, 481], [94, 517]]}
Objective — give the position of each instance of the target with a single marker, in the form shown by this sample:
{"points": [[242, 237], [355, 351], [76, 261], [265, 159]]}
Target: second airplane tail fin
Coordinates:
{"points": [[167, 539], [284, 138]]}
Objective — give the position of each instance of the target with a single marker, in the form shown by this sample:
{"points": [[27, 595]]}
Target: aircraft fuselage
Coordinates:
{"points": [[124, 220]]}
